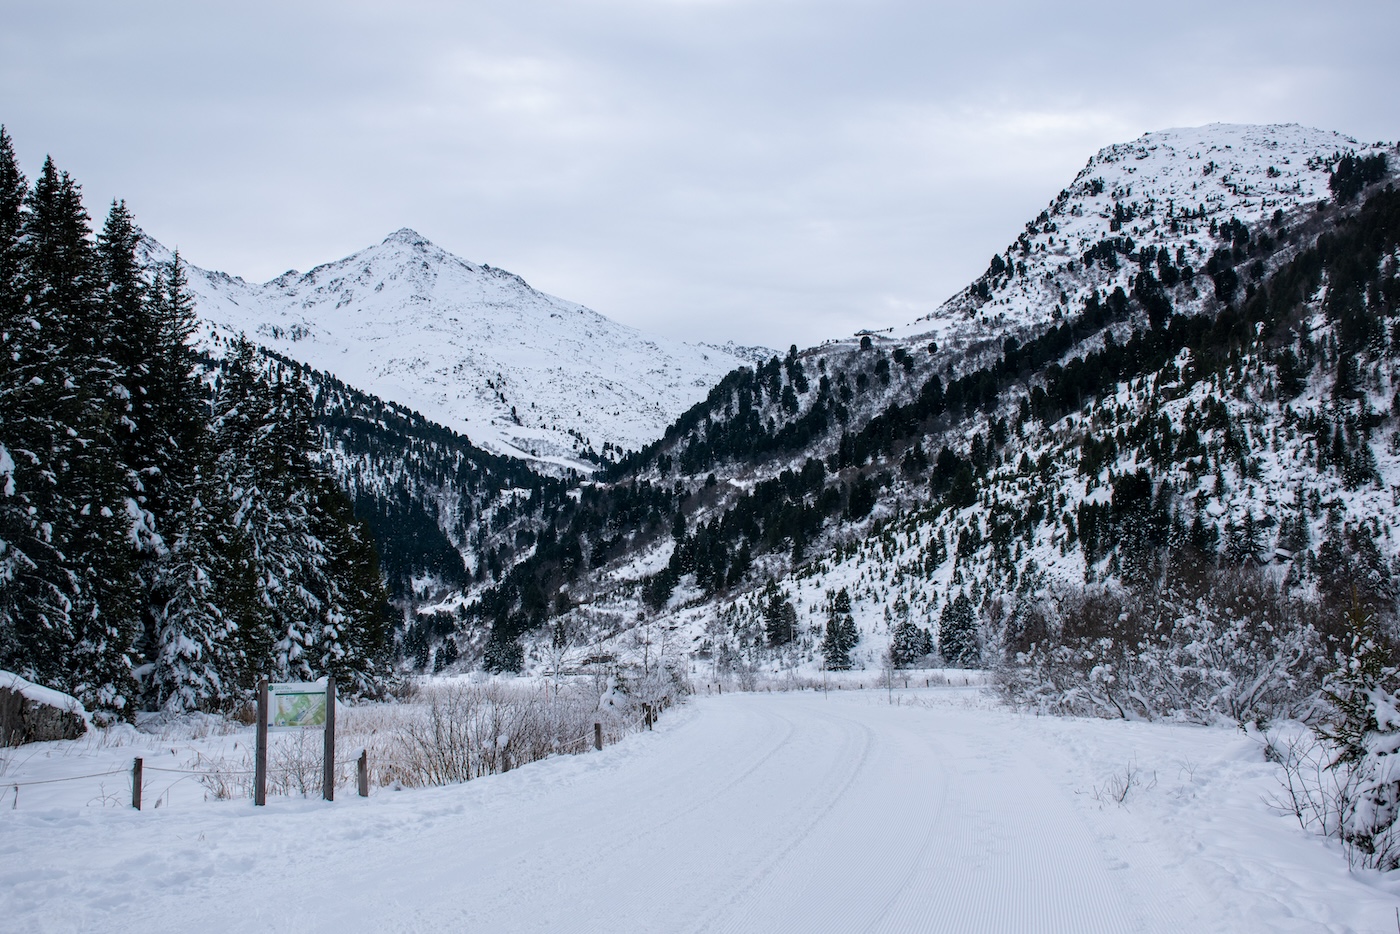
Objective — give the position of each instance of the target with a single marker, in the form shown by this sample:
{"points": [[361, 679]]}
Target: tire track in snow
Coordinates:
{"points": [[855, 861], [901, 920], [715, 795]]}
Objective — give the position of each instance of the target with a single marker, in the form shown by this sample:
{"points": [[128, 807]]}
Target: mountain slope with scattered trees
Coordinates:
{"points": [[1214, 412]]}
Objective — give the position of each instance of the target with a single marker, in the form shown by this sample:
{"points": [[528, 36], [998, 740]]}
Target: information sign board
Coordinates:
{"points": [[296, 706]]}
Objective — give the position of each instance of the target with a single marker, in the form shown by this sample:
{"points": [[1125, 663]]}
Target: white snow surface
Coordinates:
{"points": [[40, 694], [742, 812], [469, 346]]}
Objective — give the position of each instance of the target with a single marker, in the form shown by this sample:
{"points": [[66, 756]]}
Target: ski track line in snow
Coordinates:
{"points": [[715, 795], [765, 813], [866, 852], [844, 778], [614, 832], [1017, 860]]}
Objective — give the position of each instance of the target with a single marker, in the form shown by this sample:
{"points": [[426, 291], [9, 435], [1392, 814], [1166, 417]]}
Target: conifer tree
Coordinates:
{"points": [[191, 633], [65, 414], [909, 643], [841, 634], [779, 617], [30, 587], [125, 311], [192, 578], [957, 633]]}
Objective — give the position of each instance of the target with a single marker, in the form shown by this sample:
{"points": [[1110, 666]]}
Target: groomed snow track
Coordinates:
{"points": [[765, 813]]}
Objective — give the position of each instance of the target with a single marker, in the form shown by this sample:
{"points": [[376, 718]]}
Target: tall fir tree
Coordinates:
{"points": [[192, 578], [957, 633], [31, 589], [841, 634]]}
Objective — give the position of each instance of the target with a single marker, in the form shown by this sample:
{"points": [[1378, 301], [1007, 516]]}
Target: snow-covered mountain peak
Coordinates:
{"points": [[470, 346], [406, 235], [1170, 189]]}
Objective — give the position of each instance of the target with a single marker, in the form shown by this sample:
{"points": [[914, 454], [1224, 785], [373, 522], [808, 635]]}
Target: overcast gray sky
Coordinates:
{"points": [[765, 171]]}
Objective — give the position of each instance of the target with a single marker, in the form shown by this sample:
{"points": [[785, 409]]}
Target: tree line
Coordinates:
{"points": [[167, 535]]}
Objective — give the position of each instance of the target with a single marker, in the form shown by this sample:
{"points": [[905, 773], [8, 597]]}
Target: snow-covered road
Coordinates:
{"points": [[781, 812]]}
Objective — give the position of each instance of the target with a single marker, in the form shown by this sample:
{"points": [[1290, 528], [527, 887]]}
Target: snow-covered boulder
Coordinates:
{"points": [[31, 713]]}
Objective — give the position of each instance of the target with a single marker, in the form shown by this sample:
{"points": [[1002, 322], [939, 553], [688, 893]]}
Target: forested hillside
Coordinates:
{"points": [[1210, 428], [446, 517], [167, 535], [1155, 445]]}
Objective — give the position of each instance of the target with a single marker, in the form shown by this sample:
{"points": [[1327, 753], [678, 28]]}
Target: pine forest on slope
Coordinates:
{"points": [[167, 536], [1199, 399], [1173, 376]]}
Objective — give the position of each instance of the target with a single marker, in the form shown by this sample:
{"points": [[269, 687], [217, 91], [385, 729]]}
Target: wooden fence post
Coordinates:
{"points": [[362, 773], [328, 760], [597, 735], [136, 784], [260, 756]]}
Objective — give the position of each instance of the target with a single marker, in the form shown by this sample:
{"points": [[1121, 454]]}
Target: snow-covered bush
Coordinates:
{"points": [[1203, 644], [1344, 780], [459, 731]]}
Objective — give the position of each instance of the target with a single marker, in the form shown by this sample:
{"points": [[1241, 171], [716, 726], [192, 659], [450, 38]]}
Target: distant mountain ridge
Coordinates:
{"points": [[1143, 190], [1144, 373], [471, 347]]}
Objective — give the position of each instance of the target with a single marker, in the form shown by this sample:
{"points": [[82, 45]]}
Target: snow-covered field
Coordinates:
{"points": [[795, 811]]}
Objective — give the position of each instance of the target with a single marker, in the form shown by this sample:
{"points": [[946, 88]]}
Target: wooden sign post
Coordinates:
{"points": [[260, 762], [296, 706], [328, 757]]}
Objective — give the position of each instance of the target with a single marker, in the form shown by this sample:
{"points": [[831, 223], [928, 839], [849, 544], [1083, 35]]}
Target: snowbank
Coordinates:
{"points": [[32, 713]]}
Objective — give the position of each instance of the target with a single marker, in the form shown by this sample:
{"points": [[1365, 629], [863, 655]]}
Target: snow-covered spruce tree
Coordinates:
{"points": [[190, 587], [309, 598], [126, 307], [779, 617], [841, 634], [35, 590], [64, 403], [909, 643], [190, 574], [259, 464], [353, 638], [957, 633]]}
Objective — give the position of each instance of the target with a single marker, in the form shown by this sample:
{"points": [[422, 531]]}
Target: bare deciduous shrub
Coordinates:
{"points": [[1201, 644], [1343, 781], [1117, 786], [450, 732]]}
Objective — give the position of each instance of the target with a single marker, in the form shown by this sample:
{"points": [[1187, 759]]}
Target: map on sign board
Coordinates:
{"points": [[293, 706]]}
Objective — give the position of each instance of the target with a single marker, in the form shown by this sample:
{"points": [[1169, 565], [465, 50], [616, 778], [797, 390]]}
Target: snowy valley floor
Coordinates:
{"points": [[747, 812]]}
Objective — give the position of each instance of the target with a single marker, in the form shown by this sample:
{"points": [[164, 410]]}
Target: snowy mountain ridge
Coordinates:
{"points": [[1173, 358], [1165, 189], [469, 346]]}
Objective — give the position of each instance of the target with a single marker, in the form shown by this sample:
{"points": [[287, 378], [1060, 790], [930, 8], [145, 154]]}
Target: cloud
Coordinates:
{"points": [[758, 170]]}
